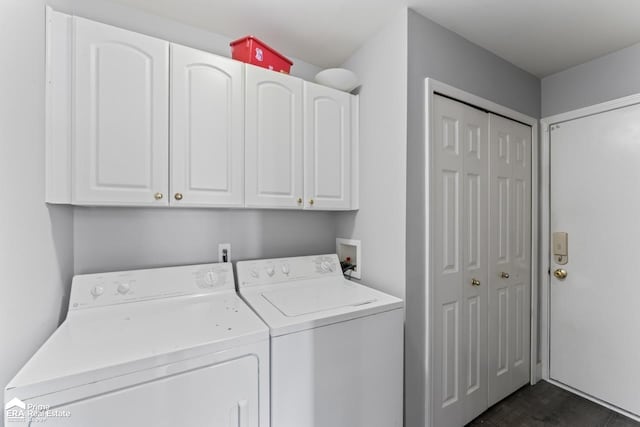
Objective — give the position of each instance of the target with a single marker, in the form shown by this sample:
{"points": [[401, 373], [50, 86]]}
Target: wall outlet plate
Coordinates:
{"points": [[350, 248], [221, 253]]}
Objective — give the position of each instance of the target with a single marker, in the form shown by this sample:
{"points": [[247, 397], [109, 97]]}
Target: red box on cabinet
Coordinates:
{"points": [[253, 51]]}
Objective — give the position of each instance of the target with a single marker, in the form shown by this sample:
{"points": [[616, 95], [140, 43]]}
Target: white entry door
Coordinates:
{"points": [[509, 256], [595, 310]]}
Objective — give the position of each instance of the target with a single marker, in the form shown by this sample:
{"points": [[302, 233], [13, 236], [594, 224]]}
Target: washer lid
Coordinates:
{"points": [[306, 304], [310, 298], [92, 345]]}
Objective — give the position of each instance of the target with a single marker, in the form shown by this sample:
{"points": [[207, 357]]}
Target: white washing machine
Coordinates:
{"points": [[336, 346], [162, 347]]}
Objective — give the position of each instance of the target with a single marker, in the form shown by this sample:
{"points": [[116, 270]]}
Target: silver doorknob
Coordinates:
{"points": [[475, 282], [504, 275], [560, 273], [178, 196]]}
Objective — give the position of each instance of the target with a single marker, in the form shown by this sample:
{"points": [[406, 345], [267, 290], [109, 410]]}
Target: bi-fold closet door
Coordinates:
{"points": [[481, 210]]}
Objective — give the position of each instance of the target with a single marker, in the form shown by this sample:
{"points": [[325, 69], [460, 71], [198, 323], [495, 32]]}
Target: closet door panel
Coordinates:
{"points": [[521, 249], [510, 254], [475, 280], [500, 263], [460, 329], [449, 384]]}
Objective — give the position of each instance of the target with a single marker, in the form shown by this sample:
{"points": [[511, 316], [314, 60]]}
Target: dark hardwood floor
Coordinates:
{"points": [[547, 405]]}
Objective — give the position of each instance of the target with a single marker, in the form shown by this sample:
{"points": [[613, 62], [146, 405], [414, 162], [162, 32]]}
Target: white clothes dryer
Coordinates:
{"points": [[336, 346], [161, 347]]}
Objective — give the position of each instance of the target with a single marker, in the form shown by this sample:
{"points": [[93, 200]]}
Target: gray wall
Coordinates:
{"points": [[609, 77], [108, 239], [36, 257], [445, 56], [380, 223]]}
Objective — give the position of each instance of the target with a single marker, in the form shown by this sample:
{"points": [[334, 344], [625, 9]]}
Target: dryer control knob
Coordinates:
{"points": [[255, 273], [210, 278], [271, 271], [97, 291], [285, 269], [124, 288]]}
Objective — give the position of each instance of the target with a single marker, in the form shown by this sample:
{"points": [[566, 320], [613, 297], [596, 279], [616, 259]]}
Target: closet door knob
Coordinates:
{"points": [[178, 196], [299, 200], [158, 196], [475, 282], [310, 202], [504, 275]]}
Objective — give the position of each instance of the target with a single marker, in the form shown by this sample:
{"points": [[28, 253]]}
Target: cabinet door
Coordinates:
{"points": [[327, 148], [273, 142], [121, 116], [207, 128]]}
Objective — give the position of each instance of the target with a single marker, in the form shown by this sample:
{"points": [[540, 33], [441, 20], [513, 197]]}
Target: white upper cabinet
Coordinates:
{"points": [[134, 121], [121, 134], [327, 148], [273, 140], [207, 129]]}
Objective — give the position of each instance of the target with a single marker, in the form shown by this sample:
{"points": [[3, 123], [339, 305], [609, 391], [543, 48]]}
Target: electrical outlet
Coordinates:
{"points": [[224, 252]]}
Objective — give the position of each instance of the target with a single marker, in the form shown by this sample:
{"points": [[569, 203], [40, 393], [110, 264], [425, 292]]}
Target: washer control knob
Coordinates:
{"points": [[97, 291], [285, 269], [255, 273], [271, 271], [124, 288]]}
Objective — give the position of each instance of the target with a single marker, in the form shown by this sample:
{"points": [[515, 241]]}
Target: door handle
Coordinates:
{"points": [[560, 273], [504, 275], [475, 282]]}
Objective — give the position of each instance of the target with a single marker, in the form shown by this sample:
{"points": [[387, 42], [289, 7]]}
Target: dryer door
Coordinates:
{"points": [[220, 395]]}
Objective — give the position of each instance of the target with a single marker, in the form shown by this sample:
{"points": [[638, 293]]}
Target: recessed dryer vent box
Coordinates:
{"points": [[349, 248]]}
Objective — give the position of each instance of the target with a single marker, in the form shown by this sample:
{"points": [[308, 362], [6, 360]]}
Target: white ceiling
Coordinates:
{"points": [[540, 36]]}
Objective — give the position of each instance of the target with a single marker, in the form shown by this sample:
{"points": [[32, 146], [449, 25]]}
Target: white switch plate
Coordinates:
{"points": [[221, 248], [350, 248]]}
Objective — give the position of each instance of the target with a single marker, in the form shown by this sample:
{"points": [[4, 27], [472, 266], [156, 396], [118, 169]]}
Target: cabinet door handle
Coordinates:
{"points": [[158, 196], [178, 196], [504, 275], [310, 202], [475, 282], [299, 200]]}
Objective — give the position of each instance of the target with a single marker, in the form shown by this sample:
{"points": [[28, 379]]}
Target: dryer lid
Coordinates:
{"points": [[115, 340]]}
